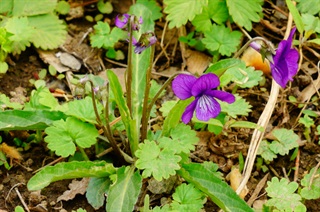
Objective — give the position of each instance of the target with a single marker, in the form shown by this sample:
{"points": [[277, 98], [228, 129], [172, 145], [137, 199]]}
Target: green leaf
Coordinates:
{"points": [[48, 31], [187, 198], [286, 140], [123, 194], [216, 10], [282, 194], [180, 11], [166, 107], [6, 6], [311, 189], [296, 16], [63, 136], [308, 6], [83, 109], [104, 7], [221, 39], [174, 116], [42, 99], [245, 12], [63, 7], [155, 161], [102, 37], [265, 151], [69, 170], [222, 65], [219, 191], [311, 23], [306, 121], [244, 77], [239, 107], [153, 7], [96, 191], [28, 120], [21, 31], [3, 67], [245, 124], [6, 103], [185, 137], [29, 8]]}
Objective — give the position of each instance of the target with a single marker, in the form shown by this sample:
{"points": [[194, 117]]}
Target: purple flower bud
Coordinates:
{"points": [[146, 40]]}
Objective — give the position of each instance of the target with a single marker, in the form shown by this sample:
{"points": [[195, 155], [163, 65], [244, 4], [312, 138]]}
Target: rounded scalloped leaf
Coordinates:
{"points": [[49, 31]]}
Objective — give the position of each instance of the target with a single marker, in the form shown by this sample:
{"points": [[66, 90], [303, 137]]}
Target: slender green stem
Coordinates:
{"points": [[83, 153], [154, 99], [107, 132], [129, 68], [145, 116]]}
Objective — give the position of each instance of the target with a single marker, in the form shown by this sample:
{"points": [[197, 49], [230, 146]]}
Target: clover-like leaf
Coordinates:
{"points": [[180, 11], [265, 151], [282, 195], [244, 77], [216, 10], [306, 121], [48, 31], [221, 39], [245, 12], [239, 107], [308, 6], [156, 161], [311, 189], [63, 136], [167, 106], [83, 109], [26, 8], [286, 140], [104, 37], [187, 198], [184, 137]]}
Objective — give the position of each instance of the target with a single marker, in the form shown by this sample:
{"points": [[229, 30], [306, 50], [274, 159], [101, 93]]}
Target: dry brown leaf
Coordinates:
{"points": [[50, 58], [235, 179], [120, 72], [76, 187], [197, 62]]}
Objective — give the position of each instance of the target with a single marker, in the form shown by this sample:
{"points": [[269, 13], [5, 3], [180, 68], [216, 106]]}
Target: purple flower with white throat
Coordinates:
{"points": [[284, 63], [204, 90]]}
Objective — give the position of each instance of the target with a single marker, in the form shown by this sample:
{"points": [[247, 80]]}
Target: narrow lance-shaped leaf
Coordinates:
{"points": [[69, 170], [219, 191]]}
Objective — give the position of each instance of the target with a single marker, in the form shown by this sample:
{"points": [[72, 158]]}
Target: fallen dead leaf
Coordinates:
{"points": [[197, 62], [76, 187], [235, 179]]}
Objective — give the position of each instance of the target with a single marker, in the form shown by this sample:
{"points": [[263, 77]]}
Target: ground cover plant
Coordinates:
{"points": [[230, 124]]}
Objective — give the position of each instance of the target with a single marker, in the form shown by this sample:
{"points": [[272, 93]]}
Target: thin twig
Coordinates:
{"points": [[297, 164], [22, 200]]}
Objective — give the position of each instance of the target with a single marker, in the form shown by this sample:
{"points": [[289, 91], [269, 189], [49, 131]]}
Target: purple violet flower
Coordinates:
{"points": [[284, 64], [122, 20], [146, 40], [203, 89]]}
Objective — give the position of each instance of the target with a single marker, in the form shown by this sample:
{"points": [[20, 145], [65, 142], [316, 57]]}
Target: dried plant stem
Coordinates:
{"points": [[263, 122], [258, 135]]}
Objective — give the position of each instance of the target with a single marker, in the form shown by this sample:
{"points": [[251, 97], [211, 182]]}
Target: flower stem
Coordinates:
{"points": [[83, 153], [244, 47], [129, 68], [145, 114]]}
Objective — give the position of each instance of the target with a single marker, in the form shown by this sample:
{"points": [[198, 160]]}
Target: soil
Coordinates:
{"points": [[223, 150]]}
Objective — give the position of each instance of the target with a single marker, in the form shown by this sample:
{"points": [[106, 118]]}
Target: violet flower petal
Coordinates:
{"points": [[221, 95], [204, 83], [182, 85], [285, 62], [207, 107], [188, 113], [121, 21]]}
